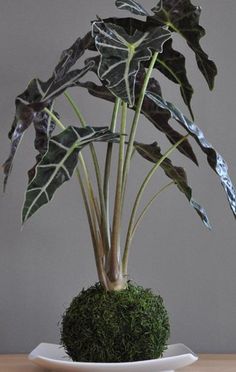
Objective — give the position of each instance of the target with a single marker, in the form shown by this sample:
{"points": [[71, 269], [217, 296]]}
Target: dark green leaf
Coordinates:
{"points": [[215, 160], [58, 164], [71, 55], [19, 129], [129, 24], [121, 55], [44, 125], [172, 64], [160, 117], [132, 6], [39, 95], [183, 17], [153, 153]]}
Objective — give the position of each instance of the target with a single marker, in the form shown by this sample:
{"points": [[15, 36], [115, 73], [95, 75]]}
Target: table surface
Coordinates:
{"points": [[206, 363]]}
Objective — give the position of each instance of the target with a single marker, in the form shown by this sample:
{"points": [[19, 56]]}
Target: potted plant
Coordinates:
{"points": [[116, 320]]}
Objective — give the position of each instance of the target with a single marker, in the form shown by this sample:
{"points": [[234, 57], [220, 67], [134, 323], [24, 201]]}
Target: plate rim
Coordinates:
{"points": [[33, 357]]}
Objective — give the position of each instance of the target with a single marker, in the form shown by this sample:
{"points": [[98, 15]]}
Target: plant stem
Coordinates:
{"points": [[104, 222], [53, 116], [148, 205], [76, 109], [92, 227], [136, 120], [114, 262], [81, 159], [89, 211], [107, 168], [137, 202]]}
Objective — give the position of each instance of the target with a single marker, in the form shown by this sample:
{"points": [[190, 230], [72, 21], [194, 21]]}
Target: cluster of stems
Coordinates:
{"points": [[111, 260]]}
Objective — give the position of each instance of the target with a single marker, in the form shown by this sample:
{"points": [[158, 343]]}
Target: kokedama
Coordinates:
{"points": [[116, 320]]}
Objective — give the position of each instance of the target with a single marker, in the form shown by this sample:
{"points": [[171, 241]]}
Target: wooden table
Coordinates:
{"points": [[206, 363]]}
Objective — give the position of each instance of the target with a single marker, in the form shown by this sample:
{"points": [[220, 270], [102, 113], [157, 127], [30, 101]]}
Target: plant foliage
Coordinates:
{"points": [[122, 53]]}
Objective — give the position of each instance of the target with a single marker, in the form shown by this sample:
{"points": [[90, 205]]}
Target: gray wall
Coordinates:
{"points": [[45, 265]]}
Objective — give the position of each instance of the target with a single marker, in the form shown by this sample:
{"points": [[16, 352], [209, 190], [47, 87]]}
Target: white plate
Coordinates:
{"points": [[53, 356]]}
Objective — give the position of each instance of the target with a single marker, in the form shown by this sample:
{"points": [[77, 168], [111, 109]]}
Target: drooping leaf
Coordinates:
{"points": [[39, 95], [58, 164], [121, 55], [44, 126], [19, 129], [183, 17], [215, 160], [152, 152], [44, 92], [71, 55], [172, 64], [159, 117], [132, 6]]}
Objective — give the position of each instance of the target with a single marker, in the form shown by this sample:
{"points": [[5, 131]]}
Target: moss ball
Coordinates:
{"points": [[118, 326]]}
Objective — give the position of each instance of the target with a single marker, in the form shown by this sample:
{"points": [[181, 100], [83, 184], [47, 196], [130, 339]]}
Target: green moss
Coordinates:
{"points": [[118, 326]]}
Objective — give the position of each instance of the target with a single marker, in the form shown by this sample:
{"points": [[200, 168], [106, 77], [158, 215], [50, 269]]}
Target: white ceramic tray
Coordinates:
{"points": [[53, 356]]}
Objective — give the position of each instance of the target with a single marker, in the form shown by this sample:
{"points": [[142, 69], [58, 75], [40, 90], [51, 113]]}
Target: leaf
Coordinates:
{"points": [[44, 126], [129, 24], [39, 95], [19, 129], [58, 164], [160, 117], [121, 55], [152, 152], [172, 64], [71, 55], [214, 159], [47, 91], [132, 6], [183, 17]]}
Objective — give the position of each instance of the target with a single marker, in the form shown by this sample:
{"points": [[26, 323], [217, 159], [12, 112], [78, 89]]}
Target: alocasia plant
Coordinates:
{"points": [[126, 51]]}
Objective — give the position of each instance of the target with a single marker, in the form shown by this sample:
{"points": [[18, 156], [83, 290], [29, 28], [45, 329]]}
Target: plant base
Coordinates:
{"points": [[117, 326]]}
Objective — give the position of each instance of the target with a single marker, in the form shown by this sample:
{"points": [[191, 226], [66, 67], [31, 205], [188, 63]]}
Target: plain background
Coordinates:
{"points": [[51, 260]]}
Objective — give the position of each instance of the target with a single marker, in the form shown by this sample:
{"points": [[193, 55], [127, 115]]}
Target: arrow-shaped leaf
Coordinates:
{"points": [[215, 160], [132, 6], [170, 62], [39, 95], [152, 152], [121, 55], [183, 17], [58, 164]]}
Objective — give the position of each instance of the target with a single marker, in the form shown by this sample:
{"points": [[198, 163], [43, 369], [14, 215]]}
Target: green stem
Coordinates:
{"points": [[81, 159], [148, 205], [57, 121], [76, 109], [104, 222], [114, 263], [137, 202], [91, 212], [136, 120], [178, 81], [107, 168], [92, 228]]}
